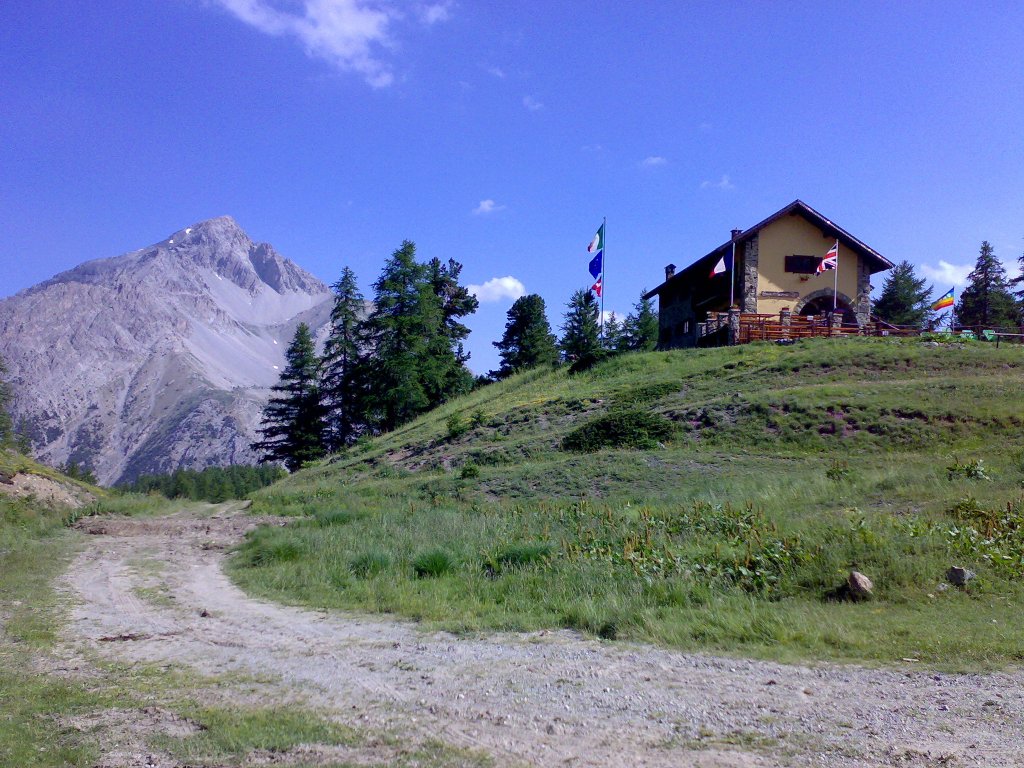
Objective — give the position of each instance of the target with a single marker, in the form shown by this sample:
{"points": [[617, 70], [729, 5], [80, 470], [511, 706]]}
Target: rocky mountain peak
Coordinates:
{"points": [[159, 358]]}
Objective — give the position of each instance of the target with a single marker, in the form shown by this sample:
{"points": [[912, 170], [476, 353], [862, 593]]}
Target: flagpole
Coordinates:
{"points": [[835, 283], [604, 268]]}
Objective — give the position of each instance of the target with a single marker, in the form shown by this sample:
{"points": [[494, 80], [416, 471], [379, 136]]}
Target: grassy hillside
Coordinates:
{"points": [[755, 479]]}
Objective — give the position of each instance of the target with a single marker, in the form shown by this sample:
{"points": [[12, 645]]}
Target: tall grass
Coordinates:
{"points": [[787, 469]]}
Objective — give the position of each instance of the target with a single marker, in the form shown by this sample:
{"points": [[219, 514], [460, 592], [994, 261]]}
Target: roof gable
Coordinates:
{"points": [[876, 261]]}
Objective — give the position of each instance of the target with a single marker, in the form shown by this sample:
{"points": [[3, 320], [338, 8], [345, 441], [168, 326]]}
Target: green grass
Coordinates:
{"points": [[224, 733], [33, 548], [49, 721], [782, 469]]}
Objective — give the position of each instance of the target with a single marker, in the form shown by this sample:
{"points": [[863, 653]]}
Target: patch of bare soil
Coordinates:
{"points": [[548, 699], [49, 492]]}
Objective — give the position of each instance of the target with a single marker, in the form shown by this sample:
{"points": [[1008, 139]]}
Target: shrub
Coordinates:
{"points": [[971, 470], [838, 470], [456, 426], [433, 564], [469, 471], [478, 419], [628, 428]]}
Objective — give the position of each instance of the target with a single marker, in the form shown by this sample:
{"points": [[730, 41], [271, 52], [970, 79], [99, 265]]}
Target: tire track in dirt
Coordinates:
{"points": [[544, 698]]}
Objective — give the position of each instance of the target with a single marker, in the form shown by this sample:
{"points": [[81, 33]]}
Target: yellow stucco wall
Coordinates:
{"points": [[795, 236]]}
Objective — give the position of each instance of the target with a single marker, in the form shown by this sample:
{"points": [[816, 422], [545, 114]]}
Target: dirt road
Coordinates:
{"points": [[153, 590]]}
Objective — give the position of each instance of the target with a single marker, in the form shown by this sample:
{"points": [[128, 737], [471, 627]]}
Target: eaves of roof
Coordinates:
{"points": [[877, 261]]}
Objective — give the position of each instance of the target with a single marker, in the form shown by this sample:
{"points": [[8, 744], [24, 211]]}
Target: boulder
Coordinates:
{"points": [[958, 576], [860, 585]]}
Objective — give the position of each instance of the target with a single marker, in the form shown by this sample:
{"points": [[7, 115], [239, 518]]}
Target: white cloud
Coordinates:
{"points": [[947, 274], [487, 206], [723, 183], [498, 288], [532, 104], [653, 161], [346, 33], [434, 12], [497, 72], [611, 314]]}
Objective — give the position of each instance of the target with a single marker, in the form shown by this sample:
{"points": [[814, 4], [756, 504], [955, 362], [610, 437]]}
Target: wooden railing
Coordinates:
{"points": [[749, 326]]}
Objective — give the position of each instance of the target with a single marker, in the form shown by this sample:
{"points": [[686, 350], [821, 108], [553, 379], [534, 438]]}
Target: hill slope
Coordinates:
{"points": [[157, 359], [782, 470]]}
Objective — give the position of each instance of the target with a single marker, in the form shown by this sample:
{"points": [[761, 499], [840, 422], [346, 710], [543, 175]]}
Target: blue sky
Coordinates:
{"points": [[501, 134]]}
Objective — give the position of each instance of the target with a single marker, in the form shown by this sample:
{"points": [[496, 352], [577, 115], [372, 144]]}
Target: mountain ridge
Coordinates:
{"points": [[159, 358]]}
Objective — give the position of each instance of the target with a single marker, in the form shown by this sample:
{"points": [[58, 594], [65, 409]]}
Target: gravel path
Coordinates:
{"points": [[153, 590]]}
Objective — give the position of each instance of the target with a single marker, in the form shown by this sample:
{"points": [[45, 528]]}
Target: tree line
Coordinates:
{"points": [[386, 362], [990, 299], [214, 484]]}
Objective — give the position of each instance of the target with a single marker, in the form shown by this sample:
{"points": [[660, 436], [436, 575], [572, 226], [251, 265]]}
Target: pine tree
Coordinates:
{"points": [[581, 345], [341, 384], [527, 341], [987, 301], [640, 329], [904, 299], [293, 420]]}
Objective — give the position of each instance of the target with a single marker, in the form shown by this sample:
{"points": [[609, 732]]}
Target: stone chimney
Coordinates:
{"points": [[670, 270], [736, 233]]}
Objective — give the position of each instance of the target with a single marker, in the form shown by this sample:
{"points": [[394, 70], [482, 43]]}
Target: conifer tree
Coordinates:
{"points": [[398, 330], [613, 337], [448, 358], [904, 299], [415, 334], [292, 427], [527, 341], [1019, 293], [640, 329], [581, 345], [987, 301], [341, 384]]}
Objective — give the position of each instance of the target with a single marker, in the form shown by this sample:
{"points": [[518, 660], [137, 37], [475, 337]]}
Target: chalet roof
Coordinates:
{"points": [[876, 261]]}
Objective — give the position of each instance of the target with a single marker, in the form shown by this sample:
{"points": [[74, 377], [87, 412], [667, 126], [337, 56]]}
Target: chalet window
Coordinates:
{"points": [[802, 265]]}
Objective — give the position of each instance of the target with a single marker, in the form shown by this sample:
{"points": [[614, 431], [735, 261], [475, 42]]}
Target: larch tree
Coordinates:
{"points": [[527, 341], [398, 330], [341, 384], [450, 376], [987, 300], [904, 299], [292, 428]]}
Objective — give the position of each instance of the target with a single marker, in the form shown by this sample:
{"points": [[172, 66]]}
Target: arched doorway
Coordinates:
{"points": [[821, 303]]}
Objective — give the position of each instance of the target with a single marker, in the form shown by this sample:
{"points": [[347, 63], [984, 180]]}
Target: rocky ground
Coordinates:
{"points": [[153, 591], [47, 491]]}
